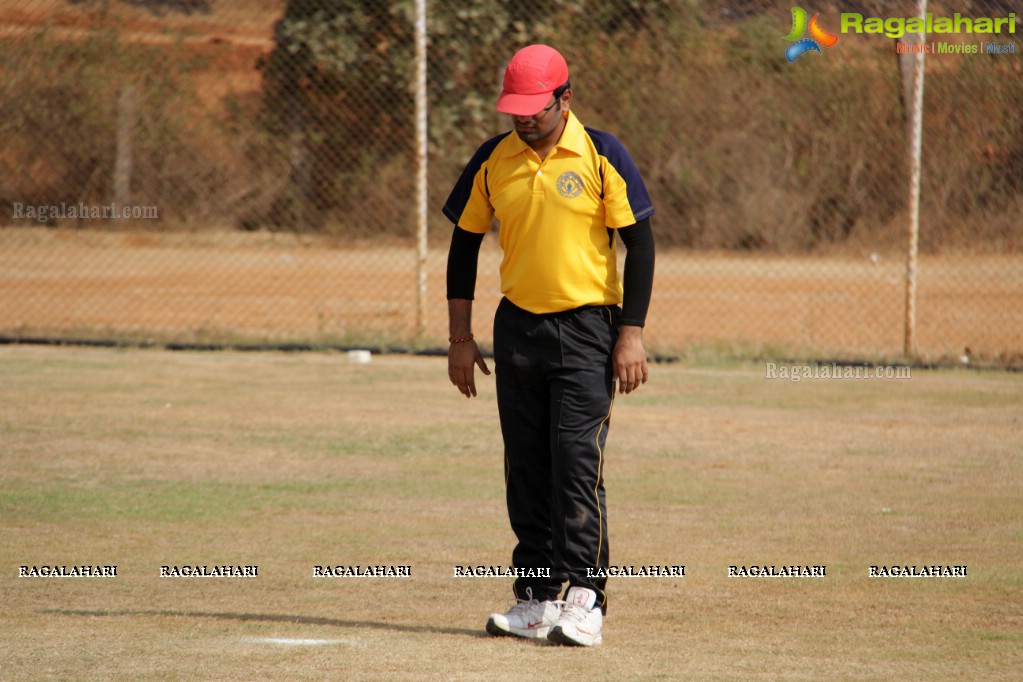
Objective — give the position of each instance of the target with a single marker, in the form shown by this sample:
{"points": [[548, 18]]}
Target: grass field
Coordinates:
{"points": [[141, 459]]}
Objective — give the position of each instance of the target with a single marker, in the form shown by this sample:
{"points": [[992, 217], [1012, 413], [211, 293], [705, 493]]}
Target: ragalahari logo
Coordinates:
{"points": [[818, 36]]}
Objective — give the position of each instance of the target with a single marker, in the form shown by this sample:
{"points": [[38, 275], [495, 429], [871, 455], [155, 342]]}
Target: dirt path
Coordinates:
{"points": [[235, 286]]}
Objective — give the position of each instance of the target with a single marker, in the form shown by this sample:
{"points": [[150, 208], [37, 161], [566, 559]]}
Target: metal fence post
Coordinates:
{"points": [[421, 161], [123, 152], [916, 137]]}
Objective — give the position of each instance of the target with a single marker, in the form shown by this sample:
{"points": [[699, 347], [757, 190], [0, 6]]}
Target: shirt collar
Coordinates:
{"points": [[573, 139]]}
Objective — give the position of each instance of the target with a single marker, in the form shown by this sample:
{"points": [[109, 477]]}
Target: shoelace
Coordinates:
{"points": [[520, 605], [573, 612]]}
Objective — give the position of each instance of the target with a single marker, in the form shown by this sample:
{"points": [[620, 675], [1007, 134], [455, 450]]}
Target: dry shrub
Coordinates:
{"points": [[741, 150]]}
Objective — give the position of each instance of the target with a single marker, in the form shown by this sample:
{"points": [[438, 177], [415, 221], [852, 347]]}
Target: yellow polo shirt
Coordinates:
{"points": [[556, 217]]}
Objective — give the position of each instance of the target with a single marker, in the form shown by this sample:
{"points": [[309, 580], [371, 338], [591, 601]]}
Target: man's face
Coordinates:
{"points": [[541, 124]]}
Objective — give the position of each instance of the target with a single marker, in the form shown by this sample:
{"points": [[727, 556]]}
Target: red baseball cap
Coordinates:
{"points": [[532, 75]]}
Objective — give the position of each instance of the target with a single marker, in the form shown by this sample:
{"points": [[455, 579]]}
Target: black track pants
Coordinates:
{"points": [[554, 396]]}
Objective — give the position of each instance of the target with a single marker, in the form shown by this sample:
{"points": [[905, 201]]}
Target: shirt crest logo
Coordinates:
{"points": [[570, 185]]}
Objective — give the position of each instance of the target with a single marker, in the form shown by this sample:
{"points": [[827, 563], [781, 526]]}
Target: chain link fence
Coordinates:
{"points": [[245, 172]]}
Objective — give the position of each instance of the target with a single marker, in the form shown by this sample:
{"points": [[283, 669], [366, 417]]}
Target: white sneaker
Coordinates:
{"points": [[580, 621], [529, 618]]}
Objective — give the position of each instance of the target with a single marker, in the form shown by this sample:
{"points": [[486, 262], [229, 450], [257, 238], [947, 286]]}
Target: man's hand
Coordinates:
{"points": [[629, 359], [464, 355], [462, 361]]}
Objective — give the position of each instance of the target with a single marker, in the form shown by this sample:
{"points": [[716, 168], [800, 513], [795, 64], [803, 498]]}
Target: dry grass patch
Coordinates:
{"points": [[148, 458]]}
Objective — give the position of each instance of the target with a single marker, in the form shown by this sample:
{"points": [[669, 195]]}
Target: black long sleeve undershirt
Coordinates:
{"points": [[463, 262], [638, 279]]}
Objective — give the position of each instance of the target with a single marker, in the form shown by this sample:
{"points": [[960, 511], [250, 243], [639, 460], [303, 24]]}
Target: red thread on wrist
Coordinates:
{"points": [[460, 339]]}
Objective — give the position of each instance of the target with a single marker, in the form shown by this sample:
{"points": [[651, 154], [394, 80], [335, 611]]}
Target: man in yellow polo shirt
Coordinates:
{"points": [[565, 333]]}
